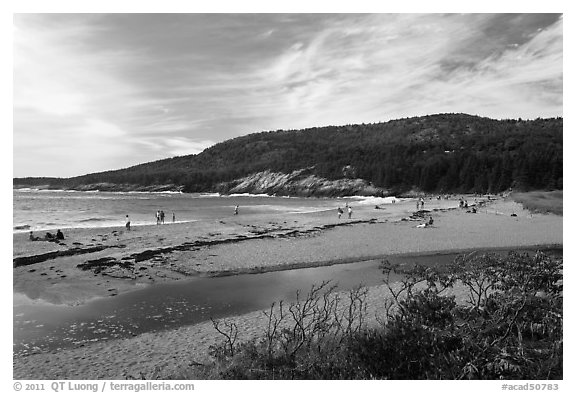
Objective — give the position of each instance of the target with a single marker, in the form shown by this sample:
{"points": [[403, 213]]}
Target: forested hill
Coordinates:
{"points": [[436, 153]]}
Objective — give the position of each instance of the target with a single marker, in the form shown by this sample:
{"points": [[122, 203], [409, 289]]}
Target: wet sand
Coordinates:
{"points": [[113, 260]]}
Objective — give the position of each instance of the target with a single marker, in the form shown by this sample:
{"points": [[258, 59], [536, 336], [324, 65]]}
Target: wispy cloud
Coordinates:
{"points": [[389, 66]]}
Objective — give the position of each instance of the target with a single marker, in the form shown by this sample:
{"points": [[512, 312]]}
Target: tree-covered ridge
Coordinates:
{"points": [[435, 153]]}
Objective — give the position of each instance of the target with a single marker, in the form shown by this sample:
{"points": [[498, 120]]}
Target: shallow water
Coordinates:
{"points": [[43, 327], [50, 210]]}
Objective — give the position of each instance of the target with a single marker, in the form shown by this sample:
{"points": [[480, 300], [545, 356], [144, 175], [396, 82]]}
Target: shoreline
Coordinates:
{"points": [[27, 260], [243, 245], [100, 262]]}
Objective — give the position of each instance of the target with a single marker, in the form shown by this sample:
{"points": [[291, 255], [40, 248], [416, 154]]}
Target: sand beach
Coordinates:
{"points": [[101, 262]]}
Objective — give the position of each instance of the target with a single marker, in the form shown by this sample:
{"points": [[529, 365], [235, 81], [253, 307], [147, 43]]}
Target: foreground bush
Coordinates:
{"points": [[509, 327]]}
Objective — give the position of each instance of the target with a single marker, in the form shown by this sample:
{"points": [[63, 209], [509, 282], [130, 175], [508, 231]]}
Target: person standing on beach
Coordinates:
{"points": [[127, 222], [162, 216], [157, 217], [349, 211], [173, 217], [236, 210], [340, 211]]}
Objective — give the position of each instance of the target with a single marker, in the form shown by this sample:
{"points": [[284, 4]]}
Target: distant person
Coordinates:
{"points": [[59, 235], [340, 212], [48, 236], [422, 203], [426, 224], [349, 211], [236, 210], [418, 205], [127, 222], [393, 201], [158, 217], [32, 237], [162, 216], [173, 217]]}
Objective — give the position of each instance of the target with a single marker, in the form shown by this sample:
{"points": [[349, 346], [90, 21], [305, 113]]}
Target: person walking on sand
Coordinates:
{"points": [[162, 216], [236, 210], [349, 211], [340, 211], [157, 217], [127, 222]]}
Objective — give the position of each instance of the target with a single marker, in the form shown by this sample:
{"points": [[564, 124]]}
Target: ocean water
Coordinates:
{"points": [[49, 210]]}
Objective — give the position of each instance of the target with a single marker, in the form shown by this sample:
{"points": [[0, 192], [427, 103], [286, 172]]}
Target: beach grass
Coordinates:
{"points": [[541, 201]]}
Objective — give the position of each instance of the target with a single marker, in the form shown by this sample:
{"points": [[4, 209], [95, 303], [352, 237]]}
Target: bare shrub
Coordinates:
{"points": [[510, 327]]}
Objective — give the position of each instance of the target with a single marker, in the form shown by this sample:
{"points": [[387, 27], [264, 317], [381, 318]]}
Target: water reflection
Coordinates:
{"points": [[39, 326]]}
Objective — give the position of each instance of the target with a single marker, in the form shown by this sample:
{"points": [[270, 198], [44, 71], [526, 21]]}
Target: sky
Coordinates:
{"points": [[94, 92]]}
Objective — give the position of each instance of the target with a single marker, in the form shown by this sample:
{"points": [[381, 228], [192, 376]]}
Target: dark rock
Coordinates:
{"points": [[98, 265], [30, 260]]}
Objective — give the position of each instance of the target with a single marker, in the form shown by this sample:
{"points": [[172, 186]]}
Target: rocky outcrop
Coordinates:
{"points": [[299, 183], [112, 187], [127, 187], [303, 183]]}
